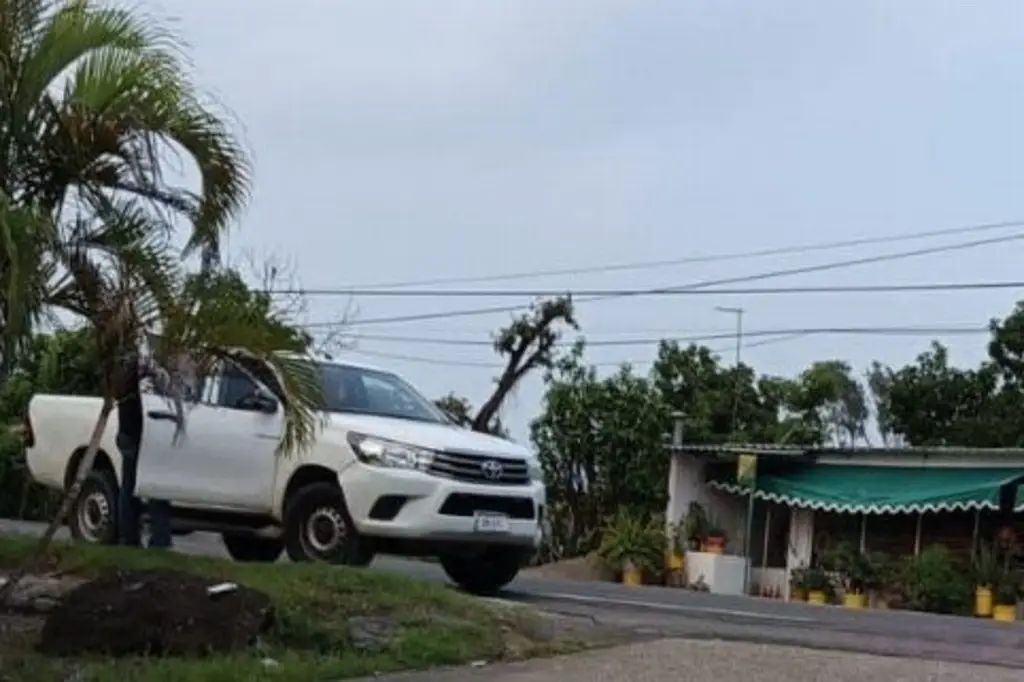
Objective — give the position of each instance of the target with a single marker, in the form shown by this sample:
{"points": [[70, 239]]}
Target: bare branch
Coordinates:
{"points": [[278, 278]]}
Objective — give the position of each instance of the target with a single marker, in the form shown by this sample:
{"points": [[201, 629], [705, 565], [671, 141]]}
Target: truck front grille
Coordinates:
{"points": [[464, 504], [482, 469]]}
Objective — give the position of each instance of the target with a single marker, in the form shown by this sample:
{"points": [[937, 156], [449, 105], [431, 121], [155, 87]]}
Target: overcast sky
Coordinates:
{"points": [[414, 140]]}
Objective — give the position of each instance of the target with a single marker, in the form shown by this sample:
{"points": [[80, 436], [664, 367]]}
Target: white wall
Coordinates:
{"points": [[687, 484]]}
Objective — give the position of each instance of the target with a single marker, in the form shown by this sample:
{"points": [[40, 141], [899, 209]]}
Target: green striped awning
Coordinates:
{"points": [[883, 489]]}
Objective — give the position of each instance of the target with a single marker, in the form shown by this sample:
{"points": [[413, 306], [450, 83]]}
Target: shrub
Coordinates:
{"points": [[857, 571], [933, 581], [633, 538]]}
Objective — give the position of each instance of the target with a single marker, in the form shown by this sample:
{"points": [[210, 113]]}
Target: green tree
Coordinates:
{"points": [[63, 362], [831, 403], [724, 403], [931, 402], [601, 444], [460, 409], [457, 407], [528, 343]]}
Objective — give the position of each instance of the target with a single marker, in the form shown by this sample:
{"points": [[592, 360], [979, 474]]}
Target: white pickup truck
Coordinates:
{"points": [[389, 473]]}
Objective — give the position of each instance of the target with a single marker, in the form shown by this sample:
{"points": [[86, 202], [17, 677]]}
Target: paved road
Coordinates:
{"points": [[674, 660], [657, 612]]}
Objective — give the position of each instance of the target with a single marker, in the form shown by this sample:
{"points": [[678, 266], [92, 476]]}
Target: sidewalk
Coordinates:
{"points": [[672, 660]]}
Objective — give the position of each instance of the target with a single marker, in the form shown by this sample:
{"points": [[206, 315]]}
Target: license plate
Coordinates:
{"points": [[490, 523]]}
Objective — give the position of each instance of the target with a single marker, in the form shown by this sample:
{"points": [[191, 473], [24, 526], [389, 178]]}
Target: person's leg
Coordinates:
{"points": [[159, 524], [128, 507]]}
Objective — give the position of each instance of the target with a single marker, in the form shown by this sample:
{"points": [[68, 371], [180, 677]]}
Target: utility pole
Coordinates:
{"points": [[675, 449], [748, 530], [738, 312]]}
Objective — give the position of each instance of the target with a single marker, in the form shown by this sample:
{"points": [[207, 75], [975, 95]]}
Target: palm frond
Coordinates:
{"points": [[212, 322], [67, 32], [25, 236], [126, 104]]}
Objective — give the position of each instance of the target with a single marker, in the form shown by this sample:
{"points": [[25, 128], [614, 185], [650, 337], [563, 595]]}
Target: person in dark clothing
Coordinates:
{"points": [[129, 441]]}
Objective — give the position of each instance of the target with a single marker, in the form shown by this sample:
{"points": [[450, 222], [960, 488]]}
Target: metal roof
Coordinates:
{"points": [[775, 450]]}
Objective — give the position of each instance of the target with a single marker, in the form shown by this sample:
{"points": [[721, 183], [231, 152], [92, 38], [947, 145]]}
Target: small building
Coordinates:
{"points": [[806, 500]]}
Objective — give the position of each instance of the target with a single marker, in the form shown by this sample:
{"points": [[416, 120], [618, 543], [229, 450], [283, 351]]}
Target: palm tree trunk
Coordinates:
{"points": [[70, 497]]}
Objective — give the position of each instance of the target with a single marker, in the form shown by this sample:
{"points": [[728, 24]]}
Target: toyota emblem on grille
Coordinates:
{"points": [[492, 470]]}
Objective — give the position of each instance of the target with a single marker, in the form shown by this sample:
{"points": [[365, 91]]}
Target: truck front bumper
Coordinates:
{"points": [[412, 505]]}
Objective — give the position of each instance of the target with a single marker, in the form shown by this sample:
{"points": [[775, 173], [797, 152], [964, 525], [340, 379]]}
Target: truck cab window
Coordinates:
{"points": [[234, 385]]}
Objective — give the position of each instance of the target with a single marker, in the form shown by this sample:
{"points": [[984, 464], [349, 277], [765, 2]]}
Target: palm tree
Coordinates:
{"points": [[139, 296], [92, 100]]}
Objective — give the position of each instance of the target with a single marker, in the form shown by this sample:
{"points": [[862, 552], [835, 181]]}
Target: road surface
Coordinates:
{"points": [[674, 660], [649, 613]]}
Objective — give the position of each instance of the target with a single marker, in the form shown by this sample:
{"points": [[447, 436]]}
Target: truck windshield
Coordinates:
{"points": [[382, 394]]}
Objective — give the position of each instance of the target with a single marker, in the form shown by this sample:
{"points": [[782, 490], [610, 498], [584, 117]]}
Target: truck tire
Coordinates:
{"points": [[318, 527], [485, 573], [93, 517], [252, 548]]}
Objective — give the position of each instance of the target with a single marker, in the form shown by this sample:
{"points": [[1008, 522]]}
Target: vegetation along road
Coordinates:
{"points": [[651, 613]]}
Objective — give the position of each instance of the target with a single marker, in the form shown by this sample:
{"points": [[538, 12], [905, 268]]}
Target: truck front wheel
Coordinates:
{"points": [[484, 573], [318, 527], [252, 548]]}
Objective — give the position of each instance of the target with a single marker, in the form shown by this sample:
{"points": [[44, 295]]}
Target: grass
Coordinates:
{"points": [[435, 626]]}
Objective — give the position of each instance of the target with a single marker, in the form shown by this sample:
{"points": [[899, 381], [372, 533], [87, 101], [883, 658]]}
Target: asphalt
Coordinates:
{"points": [[648, 613], [671, 660]]}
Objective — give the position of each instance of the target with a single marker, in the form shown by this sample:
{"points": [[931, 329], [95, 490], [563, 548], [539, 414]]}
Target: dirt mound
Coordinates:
{"points": [[160, 613], [589, 568]]}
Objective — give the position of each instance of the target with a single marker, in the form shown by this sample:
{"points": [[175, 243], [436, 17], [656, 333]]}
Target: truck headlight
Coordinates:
{"points": [[535, 471], [388, 453]]}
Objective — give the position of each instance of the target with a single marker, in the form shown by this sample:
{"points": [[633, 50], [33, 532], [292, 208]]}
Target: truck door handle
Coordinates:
{"points": [[162, 416]]}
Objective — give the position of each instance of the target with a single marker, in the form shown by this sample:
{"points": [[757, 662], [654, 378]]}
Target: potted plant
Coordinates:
{"points": [[714, 537], [856, 571], [632, 545], [1005, 608], [695, 526], [798, 584], [817, 584], [674, 554], [888, 590], [986, 572]]}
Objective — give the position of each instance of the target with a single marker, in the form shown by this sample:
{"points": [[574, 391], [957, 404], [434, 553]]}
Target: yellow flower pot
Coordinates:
{"points": [[1004, 613], [855, 600], [816, 597], [983, 602], [674, 561], [797, 595], [632, 576]]}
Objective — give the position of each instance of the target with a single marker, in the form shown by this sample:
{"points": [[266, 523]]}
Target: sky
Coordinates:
{"points": [[398, 140]]}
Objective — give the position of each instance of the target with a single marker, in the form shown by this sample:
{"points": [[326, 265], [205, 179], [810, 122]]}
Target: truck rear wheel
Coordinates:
{"points": [[93, 517], [318, 527], [485, 573], [252, 548]]}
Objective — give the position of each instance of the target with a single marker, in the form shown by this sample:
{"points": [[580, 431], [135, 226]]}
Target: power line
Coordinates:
{"points": [[608, 293], [709, 258], [821, 267], [497, 366], [799, 331], [422, 359]]}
